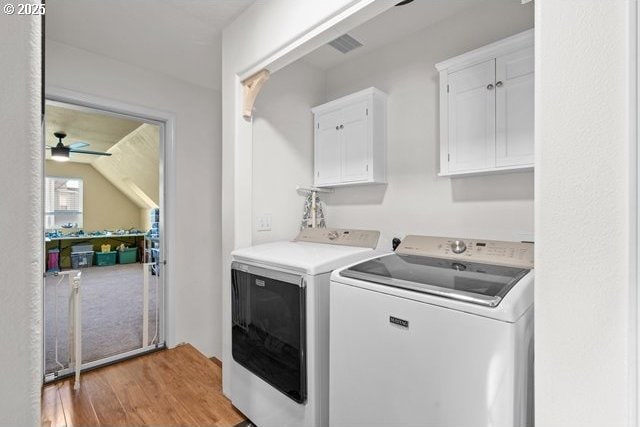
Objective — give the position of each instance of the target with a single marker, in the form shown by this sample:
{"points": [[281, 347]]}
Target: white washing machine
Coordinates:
{"points": [[438, 334], [280, 324]]}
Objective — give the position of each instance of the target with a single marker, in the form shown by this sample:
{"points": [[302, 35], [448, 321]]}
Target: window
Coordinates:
{"points": [[62, 203]]}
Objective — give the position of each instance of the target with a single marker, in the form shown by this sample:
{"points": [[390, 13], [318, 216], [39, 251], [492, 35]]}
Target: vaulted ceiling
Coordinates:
{"points": [[100, 131], [133, 166]]}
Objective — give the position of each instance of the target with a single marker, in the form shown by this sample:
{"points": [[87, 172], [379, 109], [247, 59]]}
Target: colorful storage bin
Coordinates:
{"points": [[53, 260], [81, 259], [106, 258], [127, 255]]}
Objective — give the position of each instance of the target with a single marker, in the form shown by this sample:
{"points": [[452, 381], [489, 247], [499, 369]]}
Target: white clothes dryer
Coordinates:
{"points": [[280, 324]]}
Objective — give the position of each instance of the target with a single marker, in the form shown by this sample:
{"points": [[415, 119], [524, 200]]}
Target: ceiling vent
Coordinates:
{"points": [[345, 43]]}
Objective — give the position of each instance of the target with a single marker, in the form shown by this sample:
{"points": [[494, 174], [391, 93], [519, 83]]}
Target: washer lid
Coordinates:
{"points": [[305, 257], [476, 283]]}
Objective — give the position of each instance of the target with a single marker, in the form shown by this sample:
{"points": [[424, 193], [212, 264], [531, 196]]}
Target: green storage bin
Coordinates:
{"points": [[105, 258], [127, 256]]}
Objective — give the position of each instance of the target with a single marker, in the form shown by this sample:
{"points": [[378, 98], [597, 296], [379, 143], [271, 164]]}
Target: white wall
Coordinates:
{"points": [[497, 206], [416, 201], [196, 261], [20, 221], [283, 147], [584, 230]]}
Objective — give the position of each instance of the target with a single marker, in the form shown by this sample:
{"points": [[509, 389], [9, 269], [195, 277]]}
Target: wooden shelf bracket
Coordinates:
{"points": [[252, 86]]}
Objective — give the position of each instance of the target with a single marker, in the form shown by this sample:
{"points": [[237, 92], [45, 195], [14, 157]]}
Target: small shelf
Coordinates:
{"points": [[510, 169], [351, 183]]}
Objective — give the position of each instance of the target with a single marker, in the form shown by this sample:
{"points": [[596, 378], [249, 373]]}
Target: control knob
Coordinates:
{"points": [[333, 235], [458, 247]]}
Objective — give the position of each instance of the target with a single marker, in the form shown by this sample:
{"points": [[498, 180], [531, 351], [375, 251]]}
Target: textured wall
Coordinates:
{"points": [[20, 221], [583, 229], [105, 207]]}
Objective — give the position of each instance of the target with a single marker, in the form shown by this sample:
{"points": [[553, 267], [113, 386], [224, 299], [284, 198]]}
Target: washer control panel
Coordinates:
{"points": [[511, 254], [340, 236]]}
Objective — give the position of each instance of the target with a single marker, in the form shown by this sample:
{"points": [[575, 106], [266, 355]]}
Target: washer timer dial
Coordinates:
{"points": [[458, 247]]}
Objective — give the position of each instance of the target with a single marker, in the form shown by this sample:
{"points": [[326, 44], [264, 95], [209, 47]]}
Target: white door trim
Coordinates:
{"points": [[167, 172]]}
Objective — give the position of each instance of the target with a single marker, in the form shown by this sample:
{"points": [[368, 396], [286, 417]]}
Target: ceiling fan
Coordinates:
{"points": [[61, 152]]}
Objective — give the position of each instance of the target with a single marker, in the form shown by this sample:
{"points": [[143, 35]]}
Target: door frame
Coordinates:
{"points": [[166, 121], [633, 121], [633, 103]]}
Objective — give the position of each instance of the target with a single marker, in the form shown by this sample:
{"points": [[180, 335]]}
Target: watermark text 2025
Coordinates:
{"points": [[23, 9]]}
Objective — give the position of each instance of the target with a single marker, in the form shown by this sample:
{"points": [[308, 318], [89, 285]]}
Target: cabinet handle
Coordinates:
{"points": [[498, 84], [490, 86], [341, 126]]}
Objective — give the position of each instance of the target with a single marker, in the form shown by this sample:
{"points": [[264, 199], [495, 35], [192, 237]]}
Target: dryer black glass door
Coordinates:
{"points": [[268, 328]]}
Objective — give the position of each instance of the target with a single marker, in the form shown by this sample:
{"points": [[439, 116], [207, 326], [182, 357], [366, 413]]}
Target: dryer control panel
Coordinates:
{"points": [[339, 236], [510, 254]]}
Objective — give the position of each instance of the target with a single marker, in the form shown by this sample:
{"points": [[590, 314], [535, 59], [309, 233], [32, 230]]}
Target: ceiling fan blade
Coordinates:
{"points": [[78, 144], [97, 153]]}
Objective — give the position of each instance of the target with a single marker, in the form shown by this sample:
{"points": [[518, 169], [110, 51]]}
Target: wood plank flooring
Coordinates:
{"points": [[172, 387]]}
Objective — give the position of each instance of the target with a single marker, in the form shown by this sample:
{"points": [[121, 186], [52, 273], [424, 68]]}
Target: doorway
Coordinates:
{"points": [[104, 284]]}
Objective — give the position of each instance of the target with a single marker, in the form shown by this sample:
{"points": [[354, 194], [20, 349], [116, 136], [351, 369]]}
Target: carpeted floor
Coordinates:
{"points": [[111, 313]]}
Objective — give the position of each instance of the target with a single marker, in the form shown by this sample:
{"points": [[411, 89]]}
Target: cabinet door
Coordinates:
{"points": [[472, 117], [514, 108], [355, 137], [328, 148]]}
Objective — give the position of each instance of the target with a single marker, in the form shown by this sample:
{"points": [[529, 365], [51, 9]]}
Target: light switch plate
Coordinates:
{"points": [[263, 222]]}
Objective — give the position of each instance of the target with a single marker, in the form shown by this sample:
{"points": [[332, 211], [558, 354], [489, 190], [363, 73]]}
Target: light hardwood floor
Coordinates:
{"points": [[172, 387]]}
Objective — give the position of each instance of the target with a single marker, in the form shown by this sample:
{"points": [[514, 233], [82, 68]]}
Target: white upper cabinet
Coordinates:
{"points": [[350, 140], [486, 108]]}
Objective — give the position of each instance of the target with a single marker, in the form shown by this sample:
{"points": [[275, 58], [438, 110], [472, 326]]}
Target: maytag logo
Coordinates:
{"points": [[260, 282], [399, 322]]}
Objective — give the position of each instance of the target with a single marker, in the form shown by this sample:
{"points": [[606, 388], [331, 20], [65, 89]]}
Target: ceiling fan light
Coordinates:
{"points": [[60, 154]]}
